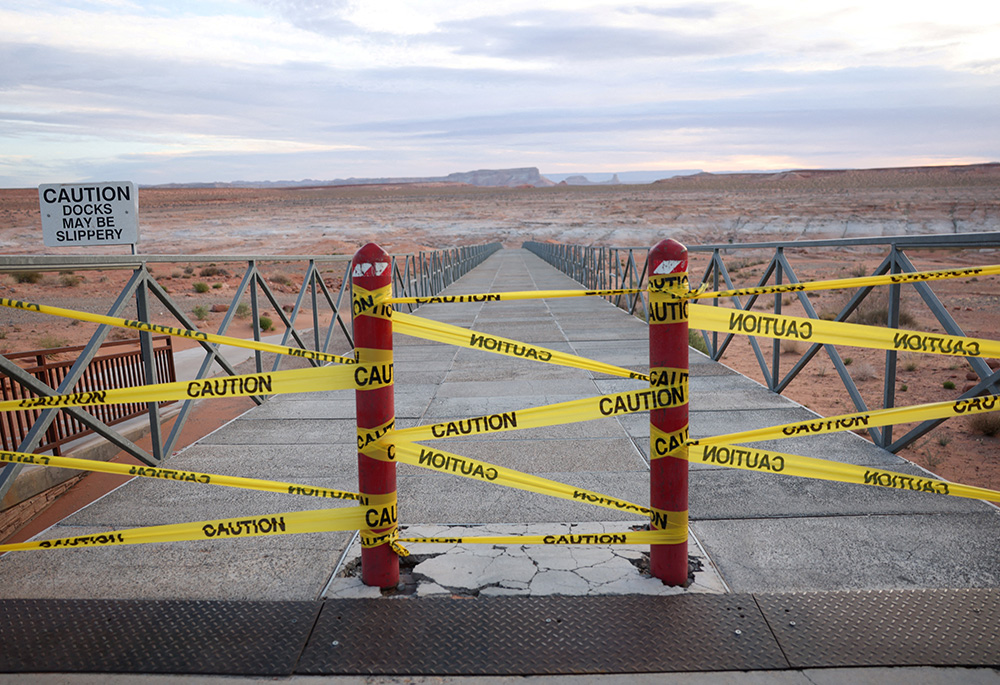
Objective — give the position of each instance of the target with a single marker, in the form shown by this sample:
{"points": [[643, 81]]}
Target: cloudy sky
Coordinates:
{"points": [[205, 90]]}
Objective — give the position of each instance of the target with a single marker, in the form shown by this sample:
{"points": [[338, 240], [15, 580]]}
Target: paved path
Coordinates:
{"points": [[751, 533]]}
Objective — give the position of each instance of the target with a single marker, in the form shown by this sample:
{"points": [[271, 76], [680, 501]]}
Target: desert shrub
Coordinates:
{"points": [[987, 424], [697, 342], [213, 270], [26, 276], [791, 346], [874, 311], [3, 335], [863, 371], [201, 287], [176, 274], [948, 385], [904, 387], [200, 312], [242, 310], [848, 361], [69, 280], [50, 341], [859, 270], [216, 286], [189, 270], [265, 323], [828, 314], [281, 279]]}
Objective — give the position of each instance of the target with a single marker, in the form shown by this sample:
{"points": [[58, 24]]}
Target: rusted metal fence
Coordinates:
{"points": [[118, 364]]}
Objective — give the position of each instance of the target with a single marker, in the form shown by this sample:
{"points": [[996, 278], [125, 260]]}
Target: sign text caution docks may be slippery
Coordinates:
{"points": [[80, 214]]}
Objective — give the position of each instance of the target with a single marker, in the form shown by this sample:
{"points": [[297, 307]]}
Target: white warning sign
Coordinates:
{"points": [[78, 214]]}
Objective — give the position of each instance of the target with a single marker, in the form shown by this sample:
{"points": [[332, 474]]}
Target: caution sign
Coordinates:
{"points": [[81, 214]]}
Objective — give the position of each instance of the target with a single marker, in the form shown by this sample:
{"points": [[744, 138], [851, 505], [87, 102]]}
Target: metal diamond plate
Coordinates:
{"points": [[887, 628], [540, 635], [124, 636]]}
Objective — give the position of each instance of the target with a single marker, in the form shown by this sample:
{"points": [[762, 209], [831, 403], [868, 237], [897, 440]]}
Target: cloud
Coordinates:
{"points": [[347, 88], [567, 36]]}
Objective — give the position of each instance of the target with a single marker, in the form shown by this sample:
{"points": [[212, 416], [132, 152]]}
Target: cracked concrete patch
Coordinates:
{"points": [[471, 569]]}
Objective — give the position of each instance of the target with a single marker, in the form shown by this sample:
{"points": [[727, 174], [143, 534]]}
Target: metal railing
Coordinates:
{"points": [[117, 364], [425, 273], [605, 267]]}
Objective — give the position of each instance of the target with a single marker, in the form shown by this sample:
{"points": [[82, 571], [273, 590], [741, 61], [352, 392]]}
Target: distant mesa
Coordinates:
{"points": [[845, 178], [581, 180], [487, 178]]}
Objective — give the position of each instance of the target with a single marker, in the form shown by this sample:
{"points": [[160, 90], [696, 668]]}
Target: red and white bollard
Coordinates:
{"points": [[371, 280], [668, 427]]}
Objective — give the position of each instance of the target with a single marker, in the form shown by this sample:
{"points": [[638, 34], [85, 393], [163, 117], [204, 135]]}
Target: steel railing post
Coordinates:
{"points": [[668, 427], [371, 280]]}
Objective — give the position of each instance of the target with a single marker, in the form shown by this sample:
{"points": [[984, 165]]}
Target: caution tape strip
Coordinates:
{"points": [[278, 382], [636, 537], [782, 327], [418, 327], [475, 469], [586, 409], [766, 461], [702, 293], [861, 420], [179, 476], [513, 295], [176, 332], [859, 282], [374, 303], [287, 523]]}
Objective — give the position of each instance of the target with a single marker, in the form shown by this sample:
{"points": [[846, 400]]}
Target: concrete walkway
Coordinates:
{"points": [[750, 532]]}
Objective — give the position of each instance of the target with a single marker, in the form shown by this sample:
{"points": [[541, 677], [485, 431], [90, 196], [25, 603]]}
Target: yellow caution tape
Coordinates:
{"points": [[860, 282], [176, 332], [278, 382], [446, 462], [513, 295], [418, 327], [288, 523], [779, 326], [862, 420], [369, 355], [368, 436], [586, 409], [638, 537], [672, 521], [371, 302], [178, 475], [664, 444], [767, 461]]}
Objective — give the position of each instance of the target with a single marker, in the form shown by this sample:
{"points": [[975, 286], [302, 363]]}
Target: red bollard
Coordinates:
{"points": [[371, 280], [668, 427]]}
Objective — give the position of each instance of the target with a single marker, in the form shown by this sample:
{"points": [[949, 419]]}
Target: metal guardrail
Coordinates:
{"points": [[421, 274], [117, 364], [626, 267]]}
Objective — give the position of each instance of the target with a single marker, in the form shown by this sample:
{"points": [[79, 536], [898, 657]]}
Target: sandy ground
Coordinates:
{"points": [[695, 211]]}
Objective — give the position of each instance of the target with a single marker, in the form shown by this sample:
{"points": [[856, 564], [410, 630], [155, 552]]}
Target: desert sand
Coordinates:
{"points": [[695, 210]]}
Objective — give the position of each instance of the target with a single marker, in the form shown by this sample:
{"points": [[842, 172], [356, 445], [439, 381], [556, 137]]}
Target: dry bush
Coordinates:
{"points": [[51, 341], [791, 346], [26, 276], [874, 310], [863, 372], [987, 424]]}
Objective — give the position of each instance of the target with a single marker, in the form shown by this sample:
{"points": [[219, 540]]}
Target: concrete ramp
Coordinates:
{"points": [[751, 533]]}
